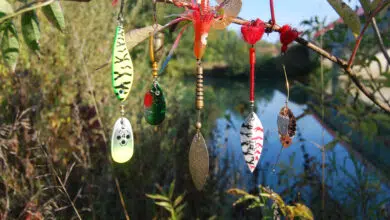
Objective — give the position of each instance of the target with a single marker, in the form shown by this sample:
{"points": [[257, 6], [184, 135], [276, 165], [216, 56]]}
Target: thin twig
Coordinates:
{"points": [[121, 198], [322, 135], [380, 40], [378, 9], [287, 84], [27, 8], [66, 193], [5, 215], [375, 87], [51, 166]]}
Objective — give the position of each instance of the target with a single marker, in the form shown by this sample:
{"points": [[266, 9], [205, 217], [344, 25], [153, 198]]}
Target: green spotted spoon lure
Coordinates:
{"points": [[122, 66]]}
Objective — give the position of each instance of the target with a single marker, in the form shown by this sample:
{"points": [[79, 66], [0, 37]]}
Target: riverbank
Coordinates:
{"points": [[297, 61]]}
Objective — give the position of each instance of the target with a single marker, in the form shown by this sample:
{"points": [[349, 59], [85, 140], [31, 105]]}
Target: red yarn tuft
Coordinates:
{"points": [[287, 35], [253, 31]]}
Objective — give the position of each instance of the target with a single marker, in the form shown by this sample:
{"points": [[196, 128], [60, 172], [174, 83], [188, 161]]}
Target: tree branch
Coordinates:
{"points": [[26, 8], [378, 9], [342, 63]]}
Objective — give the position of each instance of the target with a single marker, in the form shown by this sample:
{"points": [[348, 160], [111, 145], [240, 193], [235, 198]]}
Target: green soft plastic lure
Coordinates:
{"points": [[122, 66]]}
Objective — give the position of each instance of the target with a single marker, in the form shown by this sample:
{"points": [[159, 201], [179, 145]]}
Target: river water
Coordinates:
{"points": [[353, 187]]}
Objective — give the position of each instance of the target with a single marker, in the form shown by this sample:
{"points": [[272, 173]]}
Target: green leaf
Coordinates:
{"points": [[375, 4], [157, 197], [30, 30], [246, 198], [255, 205], [5, 8], [10, 47], [371, 6], [303, 211], [55, 15], [178, 200], [331, 145], [165, 205], [180, 208], [171, 189], [366, 4], [351, 19]]}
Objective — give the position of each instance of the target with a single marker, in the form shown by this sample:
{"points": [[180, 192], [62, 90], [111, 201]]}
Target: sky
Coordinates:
{"points": [[290, 12]]}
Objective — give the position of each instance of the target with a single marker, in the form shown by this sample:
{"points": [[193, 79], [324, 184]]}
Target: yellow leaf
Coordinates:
{"points": [[235, 191], [136, 36], [351, 19], [303, 211]]}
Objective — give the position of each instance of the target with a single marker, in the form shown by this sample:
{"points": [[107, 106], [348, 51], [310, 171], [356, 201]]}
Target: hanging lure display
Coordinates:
{"points": [[286, 122], [203, 17], [252, 131], [122, 143], [198, 155], [286, 126], [154, 101]]}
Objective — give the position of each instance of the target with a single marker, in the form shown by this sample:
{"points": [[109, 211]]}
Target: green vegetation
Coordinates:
{"points": [[57, 111], [297, 210]]}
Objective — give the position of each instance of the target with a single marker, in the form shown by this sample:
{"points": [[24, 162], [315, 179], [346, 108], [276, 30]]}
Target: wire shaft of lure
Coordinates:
{"points": [[120, 15], [152, 56], [287, 84], [199, 103], [199, 86]]}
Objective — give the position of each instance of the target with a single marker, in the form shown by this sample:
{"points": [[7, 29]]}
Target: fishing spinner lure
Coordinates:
{"points": [[154, 100], [252, 131], [122, 143]]}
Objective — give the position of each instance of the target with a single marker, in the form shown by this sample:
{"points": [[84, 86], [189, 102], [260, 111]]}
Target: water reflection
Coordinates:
{"points": [[298, 172]]}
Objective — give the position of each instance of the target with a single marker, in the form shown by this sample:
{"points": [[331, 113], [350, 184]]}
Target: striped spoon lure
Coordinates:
{"points": [[252, 131]]}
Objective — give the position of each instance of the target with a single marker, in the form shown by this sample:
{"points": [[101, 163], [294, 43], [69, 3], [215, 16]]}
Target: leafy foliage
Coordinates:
{"points": [[349, 16], [72, 108], [290, 211], [5, 8], [55, 15], [30, 27], [175, 206], [31, 31], [10, 46]]}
